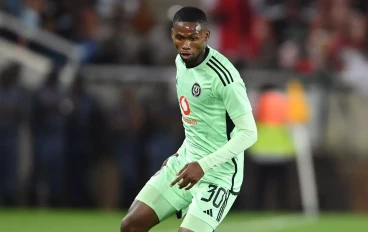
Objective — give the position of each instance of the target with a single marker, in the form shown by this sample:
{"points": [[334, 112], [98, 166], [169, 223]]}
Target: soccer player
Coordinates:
{"points": [[202, 180]]}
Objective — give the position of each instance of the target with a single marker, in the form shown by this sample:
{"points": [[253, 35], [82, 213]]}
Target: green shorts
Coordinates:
{"points": [[207, 200]]}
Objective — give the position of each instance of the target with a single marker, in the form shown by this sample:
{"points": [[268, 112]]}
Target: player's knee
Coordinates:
{"points": [[128, 224]]}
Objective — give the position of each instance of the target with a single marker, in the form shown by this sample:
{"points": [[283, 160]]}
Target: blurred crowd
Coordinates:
{"points": [[302, 35], [83, 154], [72, 137]]}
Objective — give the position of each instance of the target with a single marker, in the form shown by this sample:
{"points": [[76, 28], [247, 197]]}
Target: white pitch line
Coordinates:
{"points": [[270, 224], [262, 225]]}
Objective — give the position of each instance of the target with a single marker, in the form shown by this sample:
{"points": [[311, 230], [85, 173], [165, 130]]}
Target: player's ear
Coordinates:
{"points": [[172, 33], [207, 35]]}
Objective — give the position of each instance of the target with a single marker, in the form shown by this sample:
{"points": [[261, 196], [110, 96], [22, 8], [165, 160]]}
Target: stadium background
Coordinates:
{"points": [[88, 110]]}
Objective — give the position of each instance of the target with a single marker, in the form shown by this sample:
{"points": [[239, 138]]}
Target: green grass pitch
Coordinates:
{"points": [[28, 220]]}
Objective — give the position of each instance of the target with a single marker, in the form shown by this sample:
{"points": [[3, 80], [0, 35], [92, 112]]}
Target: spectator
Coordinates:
{"points": [[157, 40], [234, 18], [83, 144], [31, 13], [352, 55], [12, 6], [127, 120], [274, 149], [159, 142], [112, 49], [61, 18], [11, 114], [261, 46], [87, 32], [327, 31], [50, 108]]}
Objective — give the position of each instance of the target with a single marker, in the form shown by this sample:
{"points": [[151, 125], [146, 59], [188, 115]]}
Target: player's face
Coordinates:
{"points": [[189, 39]]}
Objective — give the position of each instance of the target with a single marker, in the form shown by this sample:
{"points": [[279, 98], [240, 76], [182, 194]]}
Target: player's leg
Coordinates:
{"points": [[147, 210], [140, 217], [209, 206], [157, 201], [193, 224]]}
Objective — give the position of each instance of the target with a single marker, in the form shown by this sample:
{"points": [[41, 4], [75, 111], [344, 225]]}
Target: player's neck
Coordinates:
{"points": [[199, 59]]}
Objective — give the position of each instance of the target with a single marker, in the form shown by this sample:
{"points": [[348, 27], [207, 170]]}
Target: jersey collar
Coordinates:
{"points": [[208, 56]]}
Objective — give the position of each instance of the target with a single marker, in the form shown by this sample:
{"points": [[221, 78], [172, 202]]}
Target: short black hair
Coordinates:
{"points": [[190, 14]]}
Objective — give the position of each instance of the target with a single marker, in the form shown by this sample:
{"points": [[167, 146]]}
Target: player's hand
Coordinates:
{"points": [[189, 176], [165, 162]]}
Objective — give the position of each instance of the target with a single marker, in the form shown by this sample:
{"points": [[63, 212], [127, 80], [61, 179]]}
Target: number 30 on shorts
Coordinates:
{"points": [[217, 196]]}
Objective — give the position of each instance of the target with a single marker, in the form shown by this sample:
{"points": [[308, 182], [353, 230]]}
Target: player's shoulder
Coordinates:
{"points": [[222, 69]]}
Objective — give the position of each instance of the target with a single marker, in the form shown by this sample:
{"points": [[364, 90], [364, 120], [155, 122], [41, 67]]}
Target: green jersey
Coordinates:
{"points": [[210, 95]]}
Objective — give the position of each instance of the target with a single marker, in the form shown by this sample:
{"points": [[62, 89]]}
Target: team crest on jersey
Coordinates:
{"points": [[196, 90]]}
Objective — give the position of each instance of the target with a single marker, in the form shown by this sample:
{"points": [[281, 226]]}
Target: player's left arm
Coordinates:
{"points": [[239, 109]]}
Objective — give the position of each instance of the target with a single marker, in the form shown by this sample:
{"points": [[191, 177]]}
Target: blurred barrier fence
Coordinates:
{"points": [[70, 50], [34, 66], [338, 114], [136, 73]]}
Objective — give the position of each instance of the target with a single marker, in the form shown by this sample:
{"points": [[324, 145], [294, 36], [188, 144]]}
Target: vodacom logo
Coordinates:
{"points": [[184, 104]]}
